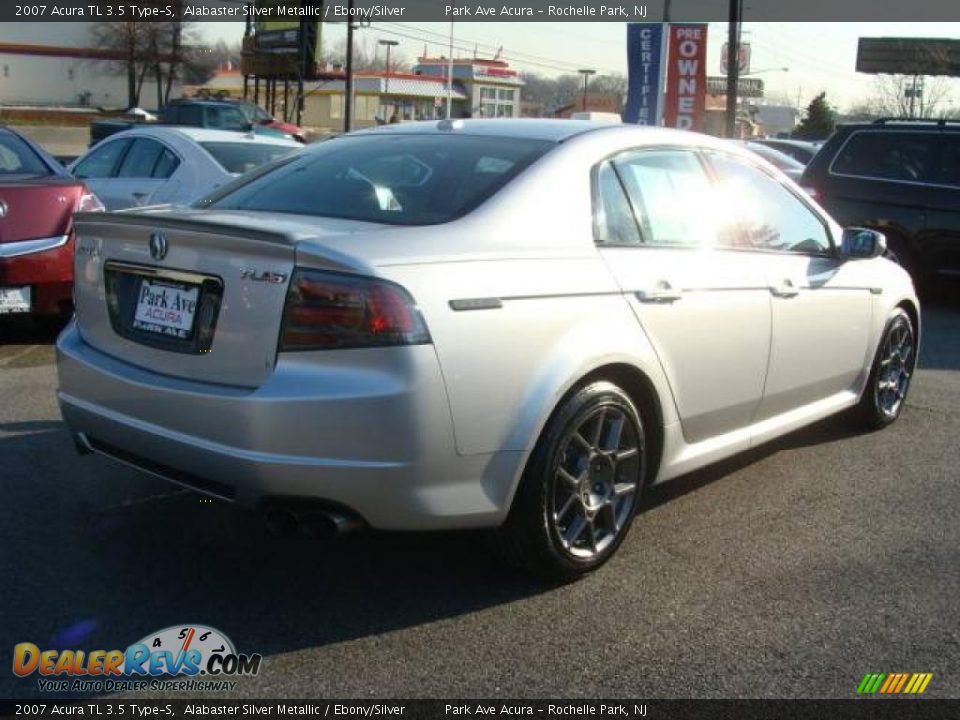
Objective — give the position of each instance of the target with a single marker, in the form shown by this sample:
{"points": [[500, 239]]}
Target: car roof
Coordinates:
{"points": [[894, 124], [554, 130], [201, 135]]}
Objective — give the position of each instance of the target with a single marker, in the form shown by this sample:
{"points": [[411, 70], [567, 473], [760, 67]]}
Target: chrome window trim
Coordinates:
{"points": [[28, 247], [935, 134]]}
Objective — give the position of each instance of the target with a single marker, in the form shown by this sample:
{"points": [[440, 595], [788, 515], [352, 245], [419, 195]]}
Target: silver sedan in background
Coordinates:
{"points": [[172, 165], [515, 325]]}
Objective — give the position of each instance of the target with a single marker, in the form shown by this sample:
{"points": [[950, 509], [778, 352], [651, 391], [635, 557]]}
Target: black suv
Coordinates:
{"points": [[901, 177]]}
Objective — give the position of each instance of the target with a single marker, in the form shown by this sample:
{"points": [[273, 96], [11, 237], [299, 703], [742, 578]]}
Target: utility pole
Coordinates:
{"points": [[733, 65], [586, 72], [348, 88], [450, 76]]}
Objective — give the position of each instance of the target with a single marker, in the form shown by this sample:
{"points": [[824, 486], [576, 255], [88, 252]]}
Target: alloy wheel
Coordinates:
{"points": [[597, 475], [896, 368]]}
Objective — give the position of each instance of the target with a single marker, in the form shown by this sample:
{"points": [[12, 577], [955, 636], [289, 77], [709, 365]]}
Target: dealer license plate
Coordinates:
{"points": [[14, 300], [166, 308]]}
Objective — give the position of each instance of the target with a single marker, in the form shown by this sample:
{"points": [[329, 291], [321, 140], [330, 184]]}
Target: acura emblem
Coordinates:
{"points": [[158, 246], [3, 209]]}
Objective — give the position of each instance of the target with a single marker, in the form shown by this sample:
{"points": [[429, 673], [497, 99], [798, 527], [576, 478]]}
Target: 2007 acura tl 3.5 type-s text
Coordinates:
{"points": [[504, 324]]}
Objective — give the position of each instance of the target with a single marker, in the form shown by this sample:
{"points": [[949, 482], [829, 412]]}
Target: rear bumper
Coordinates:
{"points": [[368, 430], [48, 272]]}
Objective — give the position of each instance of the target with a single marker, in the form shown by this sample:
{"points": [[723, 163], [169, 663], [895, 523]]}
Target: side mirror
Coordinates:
{"points": [[862, 244]]}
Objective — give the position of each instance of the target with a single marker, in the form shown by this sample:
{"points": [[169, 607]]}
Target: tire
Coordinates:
{"points": [[894, 362], [580, 490]]}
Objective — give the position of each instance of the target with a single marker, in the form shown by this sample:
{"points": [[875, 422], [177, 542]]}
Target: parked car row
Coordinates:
{"points": [[147, 165], [501, 324]]}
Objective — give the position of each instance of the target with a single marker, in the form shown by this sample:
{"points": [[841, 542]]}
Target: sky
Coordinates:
{"points": [[819, 56]]}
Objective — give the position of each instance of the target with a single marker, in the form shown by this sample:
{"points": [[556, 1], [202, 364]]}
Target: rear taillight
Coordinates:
{"points": [[90, 203], [326, 311]]}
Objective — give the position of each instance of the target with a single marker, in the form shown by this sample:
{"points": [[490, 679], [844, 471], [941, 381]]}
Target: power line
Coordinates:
{"points": [[520, 58]]}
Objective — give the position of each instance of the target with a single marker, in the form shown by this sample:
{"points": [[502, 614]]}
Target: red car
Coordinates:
{"points": [[37, 201]]}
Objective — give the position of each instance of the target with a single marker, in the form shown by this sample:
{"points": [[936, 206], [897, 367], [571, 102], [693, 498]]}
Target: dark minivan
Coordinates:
{"points": [[901, 177]]}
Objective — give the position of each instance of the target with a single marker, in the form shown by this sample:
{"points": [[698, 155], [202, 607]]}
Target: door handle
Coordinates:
{"points": [[785, 289], [663, 292]]}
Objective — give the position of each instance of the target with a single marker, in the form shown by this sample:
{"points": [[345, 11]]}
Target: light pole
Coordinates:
{"points": [[389, 44], [586, 72], [386, 82]]}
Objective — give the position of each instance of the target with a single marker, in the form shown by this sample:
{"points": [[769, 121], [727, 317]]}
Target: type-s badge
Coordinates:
{"points": [[263, 276]]}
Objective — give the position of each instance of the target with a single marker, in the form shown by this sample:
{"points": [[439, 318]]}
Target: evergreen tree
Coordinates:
{"points": [[819, 122]]}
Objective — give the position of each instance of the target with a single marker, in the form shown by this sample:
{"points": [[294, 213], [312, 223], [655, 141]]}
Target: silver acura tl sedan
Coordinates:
{"points": [[499, 324]]}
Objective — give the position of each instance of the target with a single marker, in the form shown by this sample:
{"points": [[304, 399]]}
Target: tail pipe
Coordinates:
{"points": [[321, 523]]}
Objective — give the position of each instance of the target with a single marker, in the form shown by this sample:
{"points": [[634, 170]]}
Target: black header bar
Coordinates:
{"points": [[476, 10]]}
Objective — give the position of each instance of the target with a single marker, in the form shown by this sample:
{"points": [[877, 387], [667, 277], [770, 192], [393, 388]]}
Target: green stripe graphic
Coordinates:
{"points": [[862, 688], [876, 684]]}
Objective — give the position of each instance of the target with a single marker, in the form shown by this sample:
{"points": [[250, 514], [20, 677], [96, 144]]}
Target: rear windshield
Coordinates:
{"points": [[392, 179], [238, 157], [18, 158]]}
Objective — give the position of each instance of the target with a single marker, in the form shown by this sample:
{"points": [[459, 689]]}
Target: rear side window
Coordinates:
{"points": [[615, 223], [18, 158], [191, 115], [241, 157], [949, 159], [142, 159], [671, 194], [888, 155], [392, 179], [166, 165], [225, 118]]}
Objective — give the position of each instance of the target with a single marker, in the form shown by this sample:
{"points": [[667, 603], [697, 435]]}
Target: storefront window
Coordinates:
{"points": [[496, 102]]}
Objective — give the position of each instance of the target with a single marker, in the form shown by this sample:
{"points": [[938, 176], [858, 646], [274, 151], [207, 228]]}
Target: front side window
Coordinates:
{"points": [[387, 178], [888, 155], [758, 213], [671, 195], [102, 160]]}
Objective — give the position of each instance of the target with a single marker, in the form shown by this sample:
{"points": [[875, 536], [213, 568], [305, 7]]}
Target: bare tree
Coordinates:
{"points": [[614, 84], [163, 49], [905, 96], [126, 42]]}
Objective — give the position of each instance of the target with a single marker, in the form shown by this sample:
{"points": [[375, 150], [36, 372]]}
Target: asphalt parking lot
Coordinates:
{"points": [[790, 572]]}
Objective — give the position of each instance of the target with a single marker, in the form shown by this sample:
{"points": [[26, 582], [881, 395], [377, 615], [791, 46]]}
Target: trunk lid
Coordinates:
{"points": [[36, 208], [209, 308]]}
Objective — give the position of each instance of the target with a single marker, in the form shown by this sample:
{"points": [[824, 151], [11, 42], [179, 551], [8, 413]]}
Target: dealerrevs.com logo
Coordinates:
{"points": [[201, 657]]}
